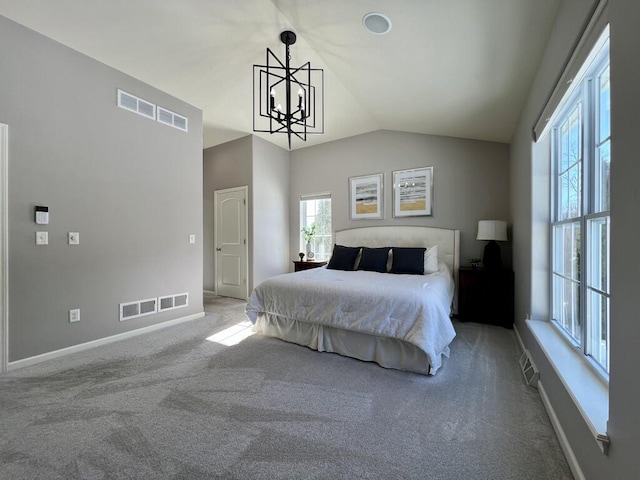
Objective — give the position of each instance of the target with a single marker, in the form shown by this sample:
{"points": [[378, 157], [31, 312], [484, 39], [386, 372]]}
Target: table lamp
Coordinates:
{"points": [[494, 231]]}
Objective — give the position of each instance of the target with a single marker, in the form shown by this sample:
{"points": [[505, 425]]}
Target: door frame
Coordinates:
{"points": [[4, 256], [245, 190]]}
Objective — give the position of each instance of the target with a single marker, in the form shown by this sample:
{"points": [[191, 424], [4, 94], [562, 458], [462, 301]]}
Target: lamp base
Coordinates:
{"points": [[492, 258]]}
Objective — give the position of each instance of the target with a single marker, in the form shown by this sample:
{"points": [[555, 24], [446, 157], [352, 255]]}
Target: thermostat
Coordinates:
{"points": [[42, 215]]}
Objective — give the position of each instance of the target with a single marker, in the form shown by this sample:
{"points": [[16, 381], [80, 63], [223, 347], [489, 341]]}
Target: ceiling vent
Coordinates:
{"points": [[136, 105], [172, 119]]}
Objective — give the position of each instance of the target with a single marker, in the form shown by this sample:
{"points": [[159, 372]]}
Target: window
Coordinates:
{"points": [[580, 219], [316, 210]]}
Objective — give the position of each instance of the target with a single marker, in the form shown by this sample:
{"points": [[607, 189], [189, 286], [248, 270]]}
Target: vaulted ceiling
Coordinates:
{"points": [[458, 68]]}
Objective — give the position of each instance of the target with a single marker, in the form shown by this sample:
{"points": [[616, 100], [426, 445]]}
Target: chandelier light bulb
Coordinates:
{"points": [[300, 95]]}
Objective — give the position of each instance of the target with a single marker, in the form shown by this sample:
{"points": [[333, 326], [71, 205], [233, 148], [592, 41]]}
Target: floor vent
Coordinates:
{"points": [[139, 308], [172, 119], [173, 301], [136, 105], [529, 370]]}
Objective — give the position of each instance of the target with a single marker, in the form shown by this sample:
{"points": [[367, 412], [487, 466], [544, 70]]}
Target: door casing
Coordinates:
{"points": [[231, 242]]}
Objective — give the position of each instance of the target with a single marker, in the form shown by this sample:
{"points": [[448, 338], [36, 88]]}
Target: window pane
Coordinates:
{"points": [[575, 135], [566, 306], [569, 166], [598, 256], [570, 193], [570, 141], [598, 315], [604, 106], [566, 250], [602, 172], [317, 212]]}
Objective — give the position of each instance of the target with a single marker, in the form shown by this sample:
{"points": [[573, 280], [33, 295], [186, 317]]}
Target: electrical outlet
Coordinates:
{"points": [[74, 315], [74, 238]]}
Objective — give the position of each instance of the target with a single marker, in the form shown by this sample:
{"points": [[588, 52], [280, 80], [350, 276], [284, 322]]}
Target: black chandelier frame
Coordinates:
{"points": [[298, 118]]}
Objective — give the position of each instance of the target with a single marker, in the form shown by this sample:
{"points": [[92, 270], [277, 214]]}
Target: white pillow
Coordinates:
{"points": [[431, 260]]}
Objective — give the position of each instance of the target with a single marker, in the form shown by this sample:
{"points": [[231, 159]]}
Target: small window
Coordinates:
{"points": [[315, 213]]}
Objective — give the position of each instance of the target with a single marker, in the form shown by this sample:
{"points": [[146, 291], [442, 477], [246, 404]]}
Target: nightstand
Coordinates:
{"points": [[485, 296], [299, 266]]}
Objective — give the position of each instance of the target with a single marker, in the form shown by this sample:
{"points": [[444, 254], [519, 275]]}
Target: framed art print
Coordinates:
{"points": [[366, 199], [413, 192]]}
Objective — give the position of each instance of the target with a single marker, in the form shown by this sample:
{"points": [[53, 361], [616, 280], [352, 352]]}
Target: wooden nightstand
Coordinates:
{"points": [[298, 265], [485, 296]]}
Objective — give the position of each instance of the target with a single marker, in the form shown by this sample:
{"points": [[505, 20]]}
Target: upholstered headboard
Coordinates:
{"points": [[448, 242]]}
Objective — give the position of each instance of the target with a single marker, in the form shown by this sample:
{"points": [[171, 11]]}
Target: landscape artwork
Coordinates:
{"points": [[413, 192], [366, 196]]}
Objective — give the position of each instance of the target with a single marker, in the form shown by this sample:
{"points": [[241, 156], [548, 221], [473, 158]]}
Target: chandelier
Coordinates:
{"points": [[287, 99]]}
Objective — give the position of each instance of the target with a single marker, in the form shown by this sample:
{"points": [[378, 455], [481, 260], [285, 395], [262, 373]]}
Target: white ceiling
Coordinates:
{"points": [[458, 68]]}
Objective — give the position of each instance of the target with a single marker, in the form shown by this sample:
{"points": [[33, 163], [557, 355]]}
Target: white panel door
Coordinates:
{"points": [[231, 242]]}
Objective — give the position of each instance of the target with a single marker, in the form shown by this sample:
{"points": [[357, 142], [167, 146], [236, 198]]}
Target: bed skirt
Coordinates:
{"points": [[386, 352]]}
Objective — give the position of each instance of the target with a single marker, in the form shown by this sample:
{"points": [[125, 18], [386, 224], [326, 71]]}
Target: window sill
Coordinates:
{"points": [[585, 387]]}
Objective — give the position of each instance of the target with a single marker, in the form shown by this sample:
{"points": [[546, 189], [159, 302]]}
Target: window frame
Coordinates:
{"points": [[302, 216], [586, 96]]}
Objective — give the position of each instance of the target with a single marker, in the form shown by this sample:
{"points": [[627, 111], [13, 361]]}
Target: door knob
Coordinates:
{"points": [[218, 249]]}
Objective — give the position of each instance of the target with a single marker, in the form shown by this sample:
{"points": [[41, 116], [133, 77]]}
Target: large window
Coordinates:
{"points": [[581, 162], [316, 210]]}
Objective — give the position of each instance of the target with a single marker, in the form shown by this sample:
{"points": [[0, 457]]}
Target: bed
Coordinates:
{"points": [[400, 321]]}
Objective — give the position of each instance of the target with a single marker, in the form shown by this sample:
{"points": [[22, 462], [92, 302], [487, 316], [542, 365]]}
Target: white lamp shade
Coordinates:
{"points": [[492, 230]]}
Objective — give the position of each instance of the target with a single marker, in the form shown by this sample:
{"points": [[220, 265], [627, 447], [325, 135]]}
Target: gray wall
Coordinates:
{"points": [[224, 166], [624, 387], [129, 185], [471, 181], [530, 211], [270, 210]]}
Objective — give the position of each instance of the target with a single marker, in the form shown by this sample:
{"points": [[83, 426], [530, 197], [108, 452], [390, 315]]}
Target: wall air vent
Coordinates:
{"points": [[136, 105], [173, 301], [139, 308], [172, 119]]}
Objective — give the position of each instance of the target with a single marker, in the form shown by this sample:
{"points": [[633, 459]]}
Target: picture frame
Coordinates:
{"points": [[366, 197], [413, 192]]}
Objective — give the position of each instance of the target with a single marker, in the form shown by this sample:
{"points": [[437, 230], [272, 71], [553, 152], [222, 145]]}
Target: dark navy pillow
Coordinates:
{"points": [[408, 260], [374, 259], [343, 258]]}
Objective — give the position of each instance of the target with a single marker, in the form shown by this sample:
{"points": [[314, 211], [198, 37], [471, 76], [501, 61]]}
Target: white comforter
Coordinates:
{"points": [[413, 308]]}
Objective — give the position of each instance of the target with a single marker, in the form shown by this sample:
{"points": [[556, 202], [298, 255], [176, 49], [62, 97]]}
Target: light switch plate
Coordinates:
{"points": [[74, 238], [42, 238], [192, 238]]}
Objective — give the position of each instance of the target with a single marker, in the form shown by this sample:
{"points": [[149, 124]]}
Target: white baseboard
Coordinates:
{"points": [[574, 466], [25, 362], [562, 438], [519, 338]]}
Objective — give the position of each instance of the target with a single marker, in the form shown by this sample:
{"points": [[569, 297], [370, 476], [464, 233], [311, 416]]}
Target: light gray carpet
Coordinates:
{"points": [[172, 405]]}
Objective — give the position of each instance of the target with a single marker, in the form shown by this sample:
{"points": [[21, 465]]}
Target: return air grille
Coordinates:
{"points": [[171, 302], [147, 109], [172, 119], [139, 308], [136, 105]]}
